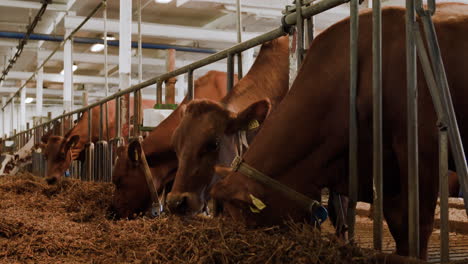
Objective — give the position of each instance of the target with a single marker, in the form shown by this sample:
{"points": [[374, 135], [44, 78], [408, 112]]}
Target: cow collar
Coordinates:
{"points": [[157, 204], [319, 213]]}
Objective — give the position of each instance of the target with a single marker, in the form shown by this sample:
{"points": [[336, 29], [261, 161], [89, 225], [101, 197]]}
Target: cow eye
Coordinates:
{"points": [[212, 146]]}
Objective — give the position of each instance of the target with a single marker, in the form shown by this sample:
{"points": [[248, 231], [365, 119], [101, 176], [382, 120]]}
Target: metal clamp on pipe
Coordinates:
{"points": [[431, 7], [284, 25]]}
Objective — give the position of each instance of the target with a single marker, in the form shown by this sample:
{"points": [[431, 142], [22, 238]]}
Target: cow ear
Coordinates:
{"points": [[255, 114], [71, 143], [182, 110], [134, 151]]}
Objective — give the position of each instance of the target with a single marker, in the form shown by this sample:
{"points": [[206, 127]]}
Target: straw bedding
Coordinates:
{"points": [[68, 223]]}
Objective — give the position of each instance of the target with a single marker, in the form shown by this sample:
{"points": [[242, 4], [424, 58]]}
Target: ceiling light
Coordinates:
{"points": [[163, 1], [98, 47], [29, 100], [74, 67]]}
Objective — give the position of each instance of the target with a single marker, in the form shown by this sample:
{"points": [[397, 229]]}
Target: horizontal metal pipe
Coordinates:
{"points": [[115, 43], [290, 19], [313, 9]]}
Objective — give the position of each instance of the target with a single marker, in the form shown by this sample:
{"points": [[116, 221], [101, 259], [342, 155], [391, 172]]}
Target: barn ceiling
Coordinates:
{"points": [[198, 20]]}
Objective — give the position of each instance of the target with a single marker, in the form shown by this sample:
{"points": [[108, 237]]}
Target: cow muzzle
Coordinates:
{"points": [[183, 203]]}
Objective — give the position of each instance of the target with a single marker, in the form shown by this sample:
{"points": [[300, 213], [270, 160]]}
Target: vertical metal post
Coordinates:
{"points": [[412, 123], [90, 125], [300, 33], [136, 113], [140, 50], [125, 60], [39, 90], [12, 113], [159, 92], [101, 121], [22, 107], [353, 126], [62, 126], [68, 74], [377, 121], [118, 123], [190, 91], [239, 37], [3, 123], [6, 129], [447, 104], [310, 31], [230, 72], [170, 83], [106, 70], [444, 193]]}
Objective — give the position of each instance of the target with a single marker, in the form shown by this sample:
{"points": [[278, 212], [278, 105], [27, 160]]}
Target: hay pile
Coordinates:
{"points": [[67, 223]]}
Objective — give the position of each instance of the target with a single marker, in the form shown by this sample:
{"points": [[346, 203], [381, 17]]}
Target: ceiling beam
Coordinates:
{"points": [[161, 30], [114, 59], [33, 5], [31, 92], [55, 77]]}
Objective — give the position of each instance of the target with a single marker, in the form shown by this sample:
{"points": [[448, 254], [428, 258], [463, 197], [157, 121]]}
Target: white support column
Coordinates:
{"points": [[2, 131], [39, 91], [12, 114], [68, 74], [5, 125], [125, 38], [125, 59], [22, 123]]}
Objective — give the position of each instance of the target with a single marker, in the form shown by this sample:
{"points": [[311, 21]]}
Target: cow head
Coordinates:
{"points": [[249, 201], [131, 195], [197, 142], [59, 154]]}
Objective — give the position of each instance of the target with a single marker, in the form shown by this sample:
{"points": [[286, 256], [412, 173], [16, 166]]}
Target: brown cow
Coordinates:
{"points": [[208, 133], [61, 151], [131, 194], [304, 143]]}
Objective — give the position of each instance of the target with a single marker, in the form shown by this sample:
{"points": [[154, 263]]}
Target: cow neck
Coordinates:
{"points": [[305, 131], [268, 78]]}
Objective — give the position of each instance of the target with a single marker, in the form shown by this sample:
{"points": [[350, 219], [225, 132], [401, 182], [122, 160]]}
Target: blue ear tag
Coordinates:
{"points": [[319, 215], [67, 173]]}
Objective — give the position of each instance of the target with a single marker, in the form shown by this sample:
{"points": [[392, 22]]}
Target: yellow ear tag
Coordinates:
{"points": [[259, 205], [136, 155], [254, 210], [253, 124]]}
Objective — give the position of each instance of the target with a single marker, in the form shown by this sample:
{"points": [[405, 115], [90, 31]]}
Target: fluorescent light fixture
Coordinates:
{"points": [[29, 100], [74, 67], [163, 1], [98, 47]]}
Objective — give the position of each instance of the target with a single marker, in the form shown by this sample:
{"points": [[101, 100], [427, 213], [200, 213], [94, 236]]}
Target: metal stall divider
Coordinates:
{"points": [[377, 122], [101, 152], [76, 166], [353, 127], [89, 148]]}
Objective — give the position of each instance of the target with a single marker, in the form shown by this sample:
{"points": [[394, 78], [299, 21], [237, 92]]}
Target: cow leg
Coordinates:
{"points": [[396, 205]]}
